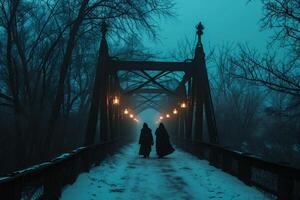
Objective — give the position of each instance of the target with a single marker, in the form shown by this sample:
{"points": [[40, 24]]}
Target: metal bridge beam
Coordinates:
{"points": [[149, 91], [150, 65]]}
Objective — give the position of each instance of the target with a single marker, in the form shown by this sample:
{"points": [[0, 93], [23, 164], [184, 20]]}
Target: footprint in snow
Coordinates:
{"points": [[186, 168], [113, 185], [131, 167], [168, 170], [93, 179], [119, 190]]}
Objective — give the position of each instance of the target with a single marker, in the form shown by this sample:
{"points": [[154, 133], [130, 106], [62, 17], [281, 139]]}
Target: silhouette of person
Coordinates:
{"points": [[163, 145], [146, 141]]}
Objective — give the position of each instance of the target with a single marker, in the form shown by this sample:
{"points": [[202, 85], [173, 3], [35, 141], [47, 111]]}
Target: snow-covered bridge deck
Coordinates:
{"points": [[178, 176]]}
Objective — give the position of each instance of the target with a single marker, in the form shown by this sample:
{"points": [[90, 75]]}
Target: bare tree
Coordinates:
{"points": [[266, 70], [276, 70], [48, 51], [283, 17], [238, 104]]}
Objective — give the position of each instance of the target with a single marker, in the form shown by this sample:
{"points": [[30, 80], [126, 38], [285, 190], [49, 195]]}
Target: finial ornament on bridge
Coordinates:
{"points": [[104, 29], [200, 29]]}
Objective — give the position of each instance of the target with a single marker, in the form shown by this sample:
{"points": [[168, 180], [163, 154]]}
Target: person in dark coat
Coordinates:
{"points": [[163, 145], [146, 141]]}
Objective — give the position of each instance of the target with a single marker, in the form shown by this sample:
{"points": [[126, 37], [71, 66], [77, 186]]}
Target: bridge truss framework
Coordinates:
{"points": [[150, 84]]}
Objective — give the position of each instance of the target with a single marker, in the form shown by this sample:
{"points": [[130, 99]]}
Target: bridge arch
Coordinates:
{"points": [[148, 88]]}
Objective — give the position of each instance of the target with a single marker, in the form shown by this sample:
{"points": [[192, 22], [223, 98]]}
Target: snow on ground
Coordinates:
{"points": [[178, 176]]}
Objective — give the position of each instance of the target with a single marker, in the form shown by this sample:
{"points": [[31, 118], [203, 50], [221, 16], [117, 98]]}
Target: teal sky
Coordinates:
{"points": [[229, 21], [226, 22]]}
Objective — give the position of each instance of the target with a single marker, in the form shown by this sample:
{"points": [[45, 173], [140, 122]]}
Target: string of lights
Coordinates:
{"points": [[175, 111], [116, 102], [127, 112]]}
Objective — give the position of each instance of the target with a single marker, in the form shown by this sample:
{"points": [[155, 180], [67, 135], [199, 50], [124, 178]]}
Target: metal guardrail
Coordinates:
{"points": [[278, 179], [46, 180]]}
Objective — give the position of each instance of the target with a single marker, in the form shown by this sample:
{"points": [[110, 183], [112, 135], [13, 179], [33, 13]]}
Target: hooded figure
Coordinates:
{"points": [[146, 141], [163, 146]]}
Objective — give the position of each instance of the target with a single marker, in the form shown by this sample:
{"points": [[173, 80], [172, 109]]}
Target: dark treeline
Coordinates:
{"points": [[48, 53], [258, 95], [262, 91]]}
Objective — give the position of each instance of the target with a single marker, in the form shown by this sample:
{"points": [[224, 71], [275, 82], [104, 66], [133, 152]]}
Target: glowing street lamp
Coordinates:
{"points": [[126, 112], [116, 100], [135, 119], [167, 116], [183, 105], [175, 111], [161, 117], [131, 116]]}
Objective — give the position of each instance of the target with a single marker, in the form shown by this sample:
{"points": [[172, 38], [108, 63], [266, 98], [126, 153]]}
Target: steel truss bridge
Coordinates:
{"points": [[178, 90]]}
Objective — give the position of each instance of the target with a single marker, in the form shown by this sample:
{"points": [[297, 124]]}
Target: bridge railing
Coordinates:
{"points": [[46, 180], [279, 179]]}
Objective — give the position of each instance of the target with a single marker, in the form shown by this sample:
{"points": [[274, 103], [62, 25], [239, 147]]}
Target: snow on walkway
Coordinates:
{"points": [[178, 176]]}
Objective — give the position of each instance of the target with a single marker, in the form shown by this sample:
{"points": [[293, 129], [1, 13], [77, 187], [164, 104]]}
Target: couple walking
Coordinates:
{"points": [[163, 145]]}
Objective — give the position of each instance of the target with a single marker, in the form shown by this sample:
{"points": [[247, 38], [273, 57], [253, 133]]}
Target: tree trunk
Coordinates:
{"points": [[13, 86], [63, 72]]}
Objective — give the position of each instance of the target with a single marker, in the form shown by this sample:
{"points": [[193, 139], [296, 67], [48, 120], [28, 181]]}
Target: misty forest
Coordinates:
{"points": [[52, 54]]}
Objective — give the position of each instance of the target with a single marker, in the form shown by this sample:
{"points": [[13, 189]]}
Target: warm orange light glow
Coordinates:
{"points": [[116, 100], [135, 119], [161, 117], [167, 116], [126, 112], [131, 116], [183, 105], [175, 111]]}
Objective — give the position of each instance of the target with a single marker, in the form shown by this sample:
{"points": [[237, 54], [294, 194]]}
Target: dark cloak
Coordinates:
{"points": [[146, 141], [163, 145]]}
